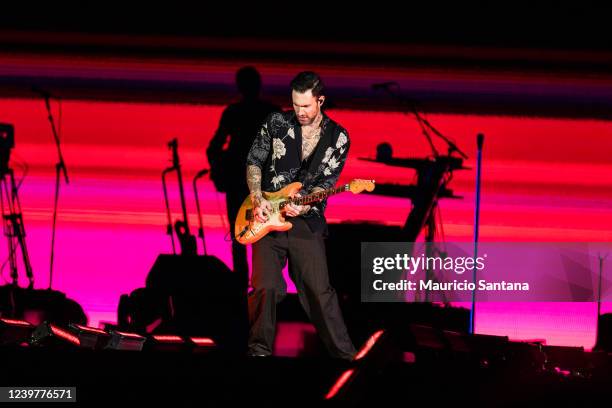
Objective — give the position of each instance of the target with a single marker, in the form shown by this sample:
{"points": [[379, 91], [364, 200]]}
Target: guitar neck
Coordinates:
{"points": [[320, 195]]}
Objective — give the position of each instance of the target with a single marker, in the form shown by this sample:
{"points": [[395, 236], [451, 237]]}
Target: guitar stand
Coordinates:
{"points": [[12, 223], [431, 249]]}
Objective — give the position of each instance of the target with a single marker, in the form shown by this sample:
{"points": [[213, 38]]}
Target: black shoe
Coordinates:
{"points": [[257, 354]]}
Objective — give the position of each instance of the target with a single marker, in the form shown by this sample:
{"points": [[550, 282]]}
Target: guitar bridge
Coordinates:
{"points": [[248, 214]]}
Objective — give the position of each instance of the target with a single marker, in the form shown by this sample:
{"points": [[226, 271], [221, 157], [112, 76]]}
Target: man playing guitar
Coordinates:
{"points": [[303, 145]]}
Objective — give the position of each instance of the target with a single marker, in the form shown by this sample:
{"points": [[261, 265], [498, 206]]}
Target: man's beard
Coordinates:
{"points": [[308, 121]]}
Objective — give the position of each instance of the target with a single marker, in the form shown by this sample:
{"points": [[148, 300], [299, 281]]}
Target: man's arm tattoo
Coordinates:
{"points": [[254, 181]]}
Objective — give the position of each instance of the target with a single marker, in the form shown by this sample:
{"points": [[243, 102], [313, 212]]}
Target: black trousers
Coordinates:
{"points": [[305, 251]]}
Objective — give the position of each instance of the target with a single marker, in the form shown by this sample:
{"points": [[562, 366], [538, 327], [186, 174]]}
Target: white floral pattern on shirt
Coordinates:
{"points": [[277, 139], [332, 162], [342, 139], [328, 154], [279, 148], [276, 180]]}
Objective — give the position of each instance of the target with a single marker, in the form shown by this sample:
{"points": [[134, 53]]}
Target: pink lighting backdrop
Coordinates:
{"points": [[543, 180]]}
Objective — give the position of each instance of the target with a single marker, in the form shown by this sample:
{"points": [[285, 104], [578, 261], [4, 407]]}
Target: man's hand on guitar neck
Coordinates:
{"points": [[292, 210]]}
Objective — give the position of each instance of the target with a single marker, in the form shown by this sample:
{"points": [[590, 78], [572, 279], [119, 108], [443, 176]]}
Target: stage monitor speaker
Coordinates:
{"points": [[191, 296]]}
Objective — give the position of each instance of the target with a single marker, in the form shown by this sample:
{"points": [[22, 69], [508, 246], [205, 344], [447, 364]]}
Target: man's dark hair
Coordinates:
{"points": [[308, 80]]}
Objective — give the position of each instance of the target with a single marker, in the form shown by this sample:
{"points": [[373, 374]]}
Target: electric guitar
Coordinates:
{"points": [[248, 231]]}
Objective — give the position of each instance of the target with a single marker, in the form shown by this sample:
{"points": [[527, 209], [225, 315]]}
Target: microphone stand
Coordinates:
{"points": [[60, 167], [426, 128], [423, 123], [601, 263], [479, 143]]}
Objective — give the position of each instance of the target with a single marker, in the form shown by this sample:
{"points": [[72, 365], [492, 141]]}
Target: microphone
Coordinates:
{"points": [[479, 140], [383, 85]]}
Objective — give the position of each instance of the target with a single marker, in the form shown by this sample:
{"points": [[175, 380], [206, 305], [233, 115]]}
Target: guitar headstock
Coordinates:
{"points": [[358, 185]]}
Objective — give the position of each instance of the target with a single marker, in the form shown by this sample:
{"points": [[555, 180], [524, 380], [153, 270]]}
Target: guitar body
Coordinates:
{"points": [[248, 231]]}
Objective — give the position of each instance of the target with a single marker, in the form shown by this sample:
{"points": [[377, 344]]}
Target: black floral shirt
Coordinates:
{"points": [[277, 151]]}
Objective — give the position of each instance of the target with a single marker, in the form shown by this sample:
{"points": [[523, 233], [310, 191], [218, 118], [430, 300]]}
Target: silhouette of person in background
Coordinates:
{"points": [[240, 122]]}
